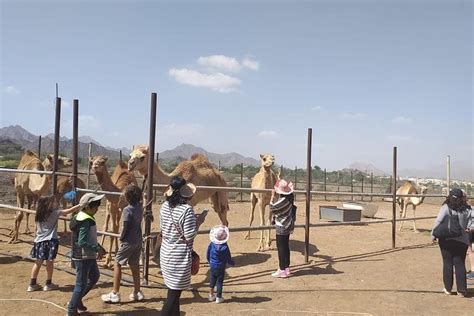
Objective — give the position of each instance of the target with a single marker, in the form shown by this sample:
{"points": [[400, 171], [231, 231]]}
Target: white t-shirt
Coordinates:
{"points": [[48, 229]]}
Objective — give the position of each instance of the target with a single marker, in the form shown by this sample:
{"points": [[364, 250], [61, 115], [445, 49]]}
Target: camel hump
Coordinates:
{"points": [[30, 153], [122, 164], [197, 156]]}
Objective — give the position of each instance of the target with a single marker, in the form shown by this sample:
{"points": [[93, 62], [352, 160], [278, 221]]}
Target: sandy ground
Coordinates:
{"points": [[352, 270]]}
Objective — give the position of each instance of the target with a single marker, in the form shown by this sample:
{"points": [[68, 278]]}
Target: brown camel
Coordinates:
{"points": [[32, 186], [115, 204], [198, 170], [409, 187], [264, 179]]}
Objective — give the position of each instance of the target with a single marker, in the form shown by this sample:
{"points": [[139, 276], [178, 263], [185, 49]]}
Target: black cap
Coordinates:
{"points": [[456, 193]]}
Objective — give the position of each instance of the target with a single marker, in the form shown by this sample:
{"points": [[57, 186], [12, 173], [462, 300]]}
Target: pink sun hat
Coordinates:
{"points": [[284, 187], [219, 234]]}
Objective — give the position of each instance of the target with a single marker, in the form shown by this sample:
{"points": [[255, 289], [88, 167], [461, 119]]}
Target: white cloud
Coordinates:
{"points": [[317, 108], [217, 81], [250, 64], [220, 63], [268, 134], [402, 120], [354, 116], [12, 90]]}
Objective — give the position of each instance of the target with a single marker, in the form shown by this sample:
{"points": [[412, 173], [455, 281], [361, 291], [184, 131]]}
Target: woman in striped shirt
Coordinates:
{"points": [[284, 215], [179, 227]]}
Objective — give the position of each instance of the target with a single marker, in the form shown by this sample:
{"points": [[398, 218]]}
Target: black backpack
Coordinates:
{"points": [[449, 227]]}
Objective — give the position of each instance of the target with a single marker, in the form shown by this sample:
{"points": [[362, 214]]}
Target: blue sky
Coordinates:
{"points": [[249, 76]]}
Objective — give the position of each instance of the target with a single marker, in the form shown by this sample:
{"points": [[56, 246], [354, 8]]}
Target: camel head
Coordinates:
{"points": [[138, 158], [63, 162], [98, 164], [267, 160], [422, 189]]}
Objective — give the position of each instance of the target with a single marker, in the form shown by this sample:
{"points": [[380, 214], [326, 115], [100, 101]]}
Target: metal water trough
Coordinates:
{"points": [[333, 213]]}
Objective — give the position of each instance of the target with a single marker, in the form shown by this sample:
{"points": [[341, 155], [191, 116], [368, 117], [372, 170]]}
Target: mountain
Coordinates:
{"points": [[460, 170], [226, 160], [367, 168], [18, 135]]}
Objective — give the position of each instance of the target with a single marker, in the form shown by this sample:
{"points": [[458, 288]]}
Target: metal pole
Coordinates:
{"points": [[371, 185], [296, 176], [241, 180], [157, 157], [325, 183], [120, 155], [362, 187], [57, 123], [394, 195], [390, 184], [448, 172], [39, 147], [308, 195], [148, 212], [338, 181], [219, 167], [89, 166], [352, 185], [75, 142]]}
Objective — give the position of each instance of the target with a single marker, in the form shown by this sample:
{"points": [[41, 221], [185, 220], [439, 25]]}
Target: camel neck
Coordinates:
{"points": [[105, 181]]}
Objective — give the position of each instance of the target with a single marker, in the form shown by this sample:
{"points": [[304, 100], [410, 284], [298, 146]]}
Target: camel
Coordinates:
{"points": [[121, 177], [32, 186], [409, 187], [264, 179], [198, 171]]}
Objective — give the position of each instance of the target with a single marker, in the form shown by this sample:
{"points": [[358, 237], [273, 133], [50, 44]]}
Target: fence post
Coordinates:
{"points": [[308, 195], [56, 144], [394, 195], [149, 212], [352, 186], [39, 147], [241, 180], [296, 176], [371, 185], [89, 166], [325, 184], [362, 188], [338, 179]]}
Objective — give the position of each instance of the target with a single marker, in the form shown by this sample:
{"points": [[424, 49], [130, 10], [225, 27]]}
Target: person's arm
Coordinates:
{"points": [[208, 253], [229, 257], [189, 225], [82, 239], [441, 214], [70, 210]]}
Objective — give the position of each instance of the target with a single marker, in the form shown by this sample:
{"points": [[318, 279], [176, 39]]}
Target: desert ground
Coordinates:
{"points": [[352, 270]]}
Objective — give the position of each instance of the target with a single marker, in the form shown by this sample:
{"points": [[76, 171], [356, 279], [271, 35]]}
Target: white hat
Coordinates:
{"points": [[90, 197], [283, 187], [219, 234]]}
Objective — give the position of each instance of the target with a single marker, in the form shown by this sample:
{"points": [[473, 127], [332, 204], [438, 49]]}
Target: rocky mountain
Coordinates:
{"points": [[367, 168], [226, 160]]}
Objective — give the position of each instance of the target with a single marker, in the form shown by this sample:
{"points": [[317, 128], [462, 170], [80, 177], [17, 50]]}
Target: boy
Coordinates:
{"points": [[85, 251], [130, 247]]}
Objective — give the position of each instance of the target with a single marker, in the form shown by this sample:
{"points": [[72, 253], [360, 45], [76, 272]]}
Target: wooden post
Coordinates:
{"points": [[325, 183], [120, 154], [56, 144], [296, 176], [219, 166], [308, 195], [371, 185], [394, 196], [75, 143], [39, 147], [148, 213], [89, 166], [241, 180], [338, 179], [352, 185], [362, 187]]}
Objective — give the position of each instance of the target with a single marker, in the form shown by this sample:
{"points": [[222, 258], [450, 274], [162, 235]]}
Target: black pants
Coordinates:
{"points": [[283, 246], [171, 306], [454, 255]]}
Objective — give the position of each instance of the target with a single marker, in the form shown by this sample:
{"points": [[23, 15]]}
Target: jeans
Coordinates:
{"points": [[171, 306], [87, 275], [283, 246], [217, 280], [454, 254]]}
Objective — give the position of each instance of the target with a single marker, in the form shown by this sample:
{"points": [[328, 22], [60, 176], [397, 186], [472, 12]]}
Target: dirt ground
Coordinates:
{"points": [[352, 270]]}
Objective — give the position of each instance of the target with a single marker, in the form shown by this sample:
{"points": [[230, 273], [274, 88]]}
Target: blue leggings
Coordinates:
{"points": [[217, 279]]}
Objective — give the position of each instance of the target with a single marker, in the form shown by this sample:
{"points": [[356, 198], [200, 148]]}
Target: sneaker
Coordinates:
{"points": [[288, 271], [462, 294], [470, 275], [219, 300], [111, 297], [50, 287], [211, 298], [279, 274], [34, 287], [446, 292], [137, 296]]}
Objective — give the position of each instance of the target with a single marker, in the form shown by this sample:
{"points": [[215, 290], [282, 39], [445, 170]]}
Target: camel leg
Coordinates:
{"points": [[220, 210], [414, 223], [253, 201], [30, 203], [114, 215], [261, 245], [106, 223], [16, 229], [404, 215]]}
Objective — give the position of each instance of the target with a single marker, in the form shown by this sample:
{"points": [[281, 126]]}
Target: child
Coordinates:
{"points": [[85, 251], [218, 255], [46, 243], [130, 247], [284, 214]]}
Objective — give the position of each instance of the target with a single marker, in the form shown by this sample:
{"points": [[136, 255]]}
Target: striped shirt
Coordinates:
{"points": [[282, 210], [175, 253]]}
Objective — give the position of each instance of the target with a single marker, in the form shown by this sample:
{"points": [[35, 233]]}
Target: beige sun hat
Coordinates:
{"points": [[186, 190], [90, 197]]}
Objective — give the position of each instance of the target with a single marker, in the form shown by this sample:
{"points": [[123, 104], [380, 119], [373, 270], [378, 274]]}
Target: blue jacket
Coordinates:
{"points": [[219, 255]]}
